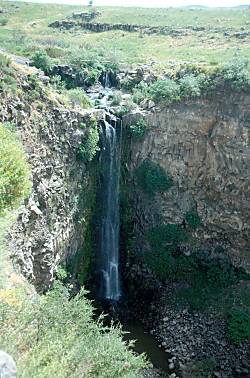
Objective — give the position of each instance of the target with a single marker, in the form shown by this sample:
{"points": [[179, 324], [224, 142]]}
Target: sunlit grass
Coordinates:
{"points": [[27, 30]]}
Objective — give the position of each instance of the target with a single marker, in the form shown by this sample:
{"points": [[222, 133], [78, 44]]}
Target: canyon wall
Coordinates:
{"points": [[51, 226], [204, 145]]}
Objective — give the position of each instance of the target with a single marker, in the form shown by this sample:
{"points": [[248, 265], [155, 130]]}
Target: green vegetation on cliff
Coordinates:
{"points": [[14, 170], [152, 178], [238, 328], [55, 336]]}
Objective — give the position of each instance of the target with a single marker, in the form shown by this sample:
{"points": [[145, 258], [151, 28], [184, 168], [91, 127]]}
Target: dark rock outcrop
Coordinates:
{"points": [[204, 144]]}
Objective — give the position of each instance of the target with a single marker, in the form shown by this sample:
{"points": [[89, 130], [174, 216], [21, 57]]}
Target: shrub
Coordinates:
{"points": [[152, 178], [41, 60], [140, 92], [220, 272], [3, 21], [57, 83], [55, 52], [78, 97], [92, 76], [116, 98], [192, 218], [127, 84], [129, 105], [160, 262], [89, 145], [236, 73], [190, 86], [138, 129], [164, 240], [55, 336], [7, 78], [166, 91], [61, 273], [8, 84], [4, 61], [201, 368], [14, 171], [194, 297], [238, 326], [166, 235]]}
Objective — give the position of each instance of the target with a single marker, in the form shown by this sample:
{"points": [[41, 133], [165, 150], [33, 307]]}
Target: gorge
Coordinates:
{"points": [[132, 211], [49, 232]]}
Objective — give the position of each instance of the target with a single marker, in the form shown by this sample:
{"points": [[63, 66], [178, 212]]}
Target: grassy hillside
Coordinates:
{"points": [[25, 29], [177, 17]]}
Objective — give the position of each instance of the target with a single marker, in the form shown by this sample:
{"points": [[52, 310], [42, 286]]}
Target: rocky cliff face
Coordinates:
{"points": [[205, 146], [51, 226]]}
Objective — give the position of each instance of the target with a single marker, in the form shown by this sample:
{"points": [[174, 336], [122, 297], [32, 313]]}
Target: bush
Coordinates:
{"points": [[55, 336], [236, 74], [14, 171], [220, 272], [55, 52], [165, 236], [190, 86], [129, 105], [160, 262], [116, 98], [238, 326], [166, 91], [89, 145], [138, 129], [192, 218], [164, 240], [152, 178], [78, 97], [140, 92], [4, 61], [41, 60], [201, 368], [3, 21], [8, 84]]}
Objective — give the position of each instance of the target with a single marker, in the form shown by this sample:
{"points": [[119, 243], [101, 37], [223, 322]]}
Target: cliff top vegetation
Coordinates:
{"points": [[209, 36]]}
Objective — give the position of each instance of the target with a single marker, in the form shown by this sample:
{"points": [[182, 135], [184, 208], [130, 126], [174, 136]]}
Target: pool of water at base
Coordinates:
{"points": [[146, 343]]}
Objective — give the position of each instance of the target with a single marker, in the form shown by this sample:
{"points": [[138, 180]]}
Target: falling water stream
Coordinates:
{"points": [[108, 263]]}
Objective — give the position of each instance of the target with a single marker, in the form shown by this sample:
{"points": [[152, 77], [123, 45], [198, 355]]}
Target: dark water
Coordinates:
{"points": [[146, 343]]}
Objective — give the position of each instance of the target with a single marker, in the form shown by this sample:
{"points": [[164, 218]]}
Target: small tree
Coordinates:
{"points": [[14, 170], [90, 4]]}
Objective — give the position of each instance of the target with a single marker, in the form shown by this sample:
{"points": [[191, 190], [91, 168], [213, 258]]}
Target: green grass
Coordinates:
{"points": [[176, 17], [27, 30], [5, 264], [55, 336]]}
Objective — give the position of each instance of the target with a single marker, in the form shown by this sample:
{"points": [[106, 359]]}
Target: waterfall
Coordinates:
{"points": [[107, 83], [108, 212]]}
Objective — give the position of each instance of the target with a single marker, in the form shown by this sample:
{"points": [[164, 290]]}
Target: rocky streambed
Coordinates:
{"points": [[196, 340]]}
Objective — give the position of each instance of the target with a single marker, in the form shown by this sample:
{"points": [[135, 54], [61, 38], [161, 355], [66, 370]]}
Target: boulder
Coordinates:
{"points": [[7, 366]]}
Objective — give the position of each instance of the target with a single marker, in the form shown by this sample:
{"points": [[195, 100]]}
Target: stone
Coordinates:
{"points": [[173, 375], [171, 366], [151, 104], [7, 366]]}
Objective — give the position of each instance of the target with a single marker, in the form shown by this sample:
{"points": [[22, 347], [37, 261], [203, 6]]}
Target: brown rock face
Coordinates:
{"points": [[204, 145]]}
